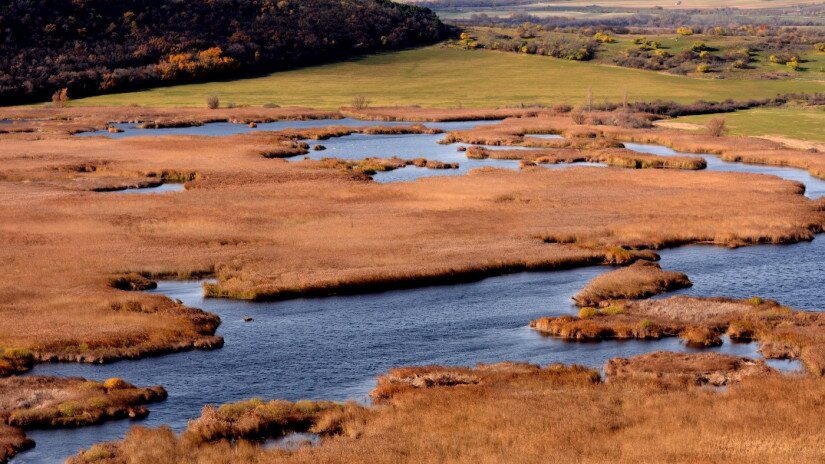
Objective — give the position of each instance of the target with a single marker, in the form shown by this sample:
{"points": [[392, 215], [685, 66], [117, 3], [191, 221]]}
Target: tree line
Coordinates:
{"points": [[98, 46]]}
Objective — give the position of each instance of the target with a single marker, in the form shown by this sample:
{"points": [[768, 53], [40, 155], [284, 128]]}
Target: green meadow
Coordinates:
{"points": [[439, 76], [797, 123]]}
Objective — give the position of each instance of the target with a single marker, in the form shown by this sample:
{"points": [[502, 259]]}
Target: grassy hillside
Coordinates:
{"points": [[438, 76]]}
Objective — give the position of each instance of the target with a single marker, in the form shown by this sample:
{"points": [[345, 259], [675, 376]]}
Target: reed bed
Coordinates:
{"points": [[618, 157], [782, 333], [642, 279], [272, 229], [557, 413], [35, 402]]}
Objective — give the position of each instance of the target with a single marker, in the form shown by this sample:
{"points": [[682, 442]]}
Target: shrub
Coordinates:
{"points": [[578, 117], [68, 408], [699, 47], [703, 68], [601, 37], [213, 102], [716, 127], [588, 312], [684, 30], [612, 310], [98, 452], [820, 47], [756, 301], [115, 383], [562, 108], [360, 102]]}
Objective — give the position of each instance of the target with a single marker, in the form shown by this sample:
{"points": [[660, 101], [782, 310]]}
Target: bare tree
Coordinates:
{"points": [[360, 102], [213, 102], [716, 127], [60, 99]]}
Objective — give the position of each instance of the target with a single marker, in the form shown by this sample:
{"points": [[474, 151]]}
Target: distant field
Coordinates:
{"points": [[812, 66], [448, 77], [686, 4], [583, 9], [683, 5], [796, 123]]}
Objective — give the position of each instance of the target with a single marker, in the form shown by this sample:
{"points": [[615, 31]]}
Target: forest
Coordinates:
{"points": [[97, 46]]}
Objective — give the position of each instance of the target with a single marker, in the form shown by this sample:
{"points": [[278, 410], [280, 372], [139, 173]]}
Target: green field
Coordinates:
{"points": [[439, 76], [796, 123]]}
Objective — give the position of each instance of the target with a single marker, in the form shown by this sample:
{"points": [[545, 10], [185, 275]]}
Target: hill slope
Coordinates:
{"points": [[99, 46]]}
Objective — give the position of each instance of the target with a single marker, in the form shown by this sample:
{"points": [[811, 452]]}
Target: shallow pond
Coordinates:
{"points": [[333, 348], [162, 188]]}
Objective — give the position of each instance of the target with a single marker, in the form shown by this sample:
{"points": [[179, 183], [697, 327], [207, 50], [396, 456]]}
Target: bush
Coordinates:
{"points": [[360, 102], [601, 37], [684, 30], [561, 108], [820, 47], [703, 68], [115, 383], [578, 117], [612, 310], [756, 301], [699, 47], [716, 127], [213, 102], [588, 312]]}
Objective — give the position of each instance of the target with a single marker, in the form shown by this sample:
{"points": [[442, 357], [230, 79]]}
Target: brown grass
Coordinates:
{"points": [[642, 279], [268, 228], [554, 414], [258, 420], [782, 333]]}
